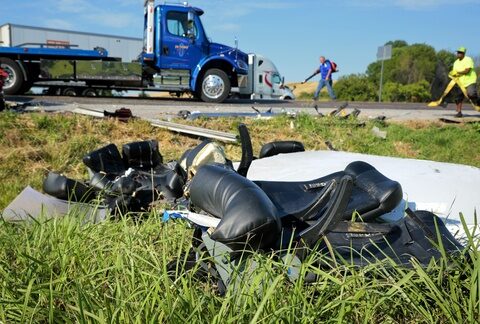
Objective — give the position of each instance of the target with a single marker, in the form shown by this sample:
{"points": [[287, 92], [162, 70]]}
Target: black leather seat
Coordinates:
{"points": [[296, 198], [249, 217], [247, 214], [373, 194]]}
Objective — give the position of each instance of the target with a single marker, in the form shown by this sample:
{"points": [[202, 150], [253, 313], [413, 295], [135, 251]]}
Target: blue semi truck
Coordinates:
{"points": [[177, 57]]}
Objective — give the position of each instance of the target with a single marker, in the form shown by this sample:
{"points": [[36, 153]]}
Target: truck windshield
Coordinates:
{"points": [[276, 78], [177, 24]]}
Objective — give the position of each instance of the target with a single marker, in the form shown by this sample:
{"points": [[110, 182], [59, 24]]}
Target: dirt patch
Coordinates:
{"points": [[419, 124], [405, 150]]}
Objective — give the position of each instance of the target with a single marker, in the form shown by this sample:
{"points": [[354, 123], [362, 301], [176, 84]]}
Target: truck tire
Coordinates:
{"points": [[89, 92], [69, 92], [215, 86], [14, 82]]}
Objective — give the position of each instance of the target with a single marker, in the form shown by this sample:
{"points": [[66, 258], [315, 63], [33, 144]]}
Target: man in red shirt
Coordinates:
{"points": [[3, 77]]}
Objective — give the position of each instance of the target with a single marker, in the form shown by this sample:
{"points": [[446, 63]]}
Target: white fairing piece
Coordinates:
{"points": [[445, 189], [31, 204]]}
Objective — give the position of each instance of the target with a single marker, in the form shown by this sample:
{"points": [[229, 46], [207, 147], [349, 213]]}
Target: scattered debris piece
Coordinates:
{"points": [[450, 121], [464, 120], [256, 110], [184, 114], [379, 133], [318, 111], [195, 115], [353, 114], [88, 112], [179, 128], [337, 111], [122, 114], [330, 146], [192, 130]]}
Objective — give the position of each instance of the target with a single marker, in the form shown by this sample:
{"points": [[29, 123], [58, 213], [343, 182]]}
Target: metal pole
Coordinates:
{"points": [[381, 79], [381, 84]]}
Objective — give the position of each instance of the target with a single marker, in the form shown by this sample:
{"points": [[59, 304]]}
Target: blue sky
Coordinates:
{"points": [[292, 33]]}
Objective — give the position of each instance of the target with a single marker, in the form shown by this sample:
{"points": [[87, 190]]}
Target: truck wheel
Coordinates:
{"points": [[215, 86], [69, 92], [14, 82], [89, 92]]}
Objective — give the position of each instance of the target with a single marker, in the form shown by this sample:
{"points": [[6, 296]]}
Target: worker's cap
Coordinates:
{"points": [[461, 50]]}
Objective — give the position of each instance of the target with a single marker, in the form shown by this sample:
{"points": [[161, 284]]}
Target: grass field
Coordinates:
{"points": [[66, 271], [306, 90]]}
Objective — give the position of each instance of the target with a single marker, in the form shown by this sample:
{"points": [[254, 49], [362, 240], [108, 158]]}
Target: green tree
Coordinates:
{"points": [[414, 92], [397, 43], [355, 87], [409, 64], [374, 69], [447, 58]]}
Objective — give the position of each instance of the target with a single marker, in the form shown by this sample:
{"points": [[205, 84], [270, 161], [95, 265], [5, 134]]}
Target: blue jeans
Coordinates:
{"points": [[322, 84]]}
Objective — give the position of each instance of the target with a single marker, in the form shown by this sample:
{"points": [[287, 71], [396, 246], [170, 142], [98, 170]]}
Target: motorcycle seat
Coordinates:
{"points": [[373, 194]]}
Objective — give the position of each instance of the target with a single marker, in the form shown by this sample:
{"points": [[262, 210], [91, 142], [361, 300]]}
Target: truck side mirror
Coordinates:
{"points": [[190, 25]]}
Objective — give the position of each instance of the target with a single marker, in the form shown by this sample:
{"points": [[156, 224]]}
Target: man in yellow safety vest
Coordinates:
{"points": [[466, 78]]}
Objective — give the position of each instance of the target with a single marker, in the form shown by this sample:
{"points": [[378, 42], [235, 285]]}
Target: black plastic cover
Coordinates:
{"points": [[61, 187], [106, 159], [142, 155], [248, 215], [280, 147]]}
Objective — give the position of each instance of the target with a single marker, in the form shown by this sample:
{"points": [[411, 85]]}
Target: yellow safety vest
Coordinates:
{"points": [[462, 65]]}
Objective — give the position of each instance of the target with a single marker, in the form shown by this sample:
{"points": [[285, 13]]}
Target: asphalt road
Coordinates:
{"points": [[165, 107]]}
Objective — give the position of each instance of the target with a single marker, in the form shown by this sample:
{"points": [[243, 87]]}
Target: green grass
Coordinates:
{"points": [[62, 271], [66, 271]]}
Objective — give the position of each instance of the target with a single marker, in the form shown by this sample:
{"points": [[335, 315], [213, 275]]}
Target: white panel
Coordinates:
{"points": [[5, 35], [123, 47]]}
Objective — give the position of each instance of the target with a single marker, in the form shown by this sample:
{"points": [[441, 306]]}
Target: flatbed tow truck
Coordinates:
{"points": [[177, 57]]}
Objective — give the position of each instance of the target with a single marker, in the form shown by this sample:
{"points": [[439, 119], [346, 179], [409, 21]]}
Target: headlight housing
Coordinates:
{"points": [[242, 65]]}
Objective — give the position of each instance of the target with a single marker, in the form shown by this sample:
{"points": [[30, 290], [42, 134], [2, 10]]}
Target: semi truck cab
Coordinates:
{"points": [[178, 54], [264, 80]]}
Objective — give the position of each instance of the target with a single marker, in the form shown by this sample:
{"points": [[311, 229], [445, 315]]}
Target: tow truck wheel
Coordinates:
{"points": [[89, 92], [69, 92], [215, 86], [14, 82]]}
